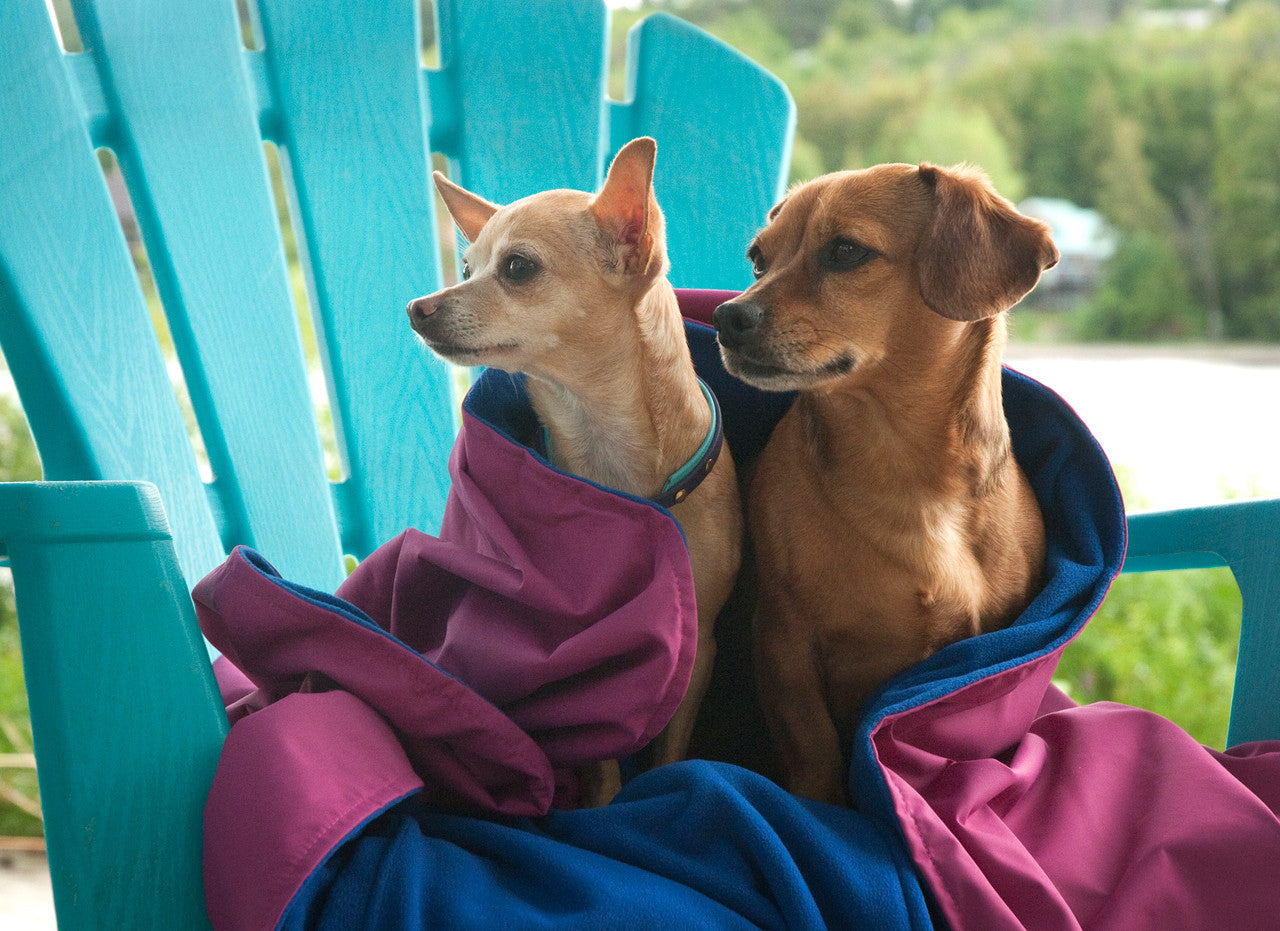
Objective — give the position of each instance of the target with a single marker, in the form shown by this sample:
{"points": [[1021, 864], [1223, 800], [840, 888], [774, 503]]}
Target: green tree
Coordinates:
{"points": [[842, 122], [1174, 97], [1126, 192], [859, 19], [1144, 295], [1056, 117], [945, 132], [1245, 187]]}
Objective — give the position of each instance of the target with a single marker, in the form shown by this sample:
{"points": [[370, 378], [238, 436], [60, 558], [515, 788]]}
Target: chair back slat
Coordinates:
{"points": [[348, 116], [185, 128], [718, 116], [74, 323], [527, 84]]}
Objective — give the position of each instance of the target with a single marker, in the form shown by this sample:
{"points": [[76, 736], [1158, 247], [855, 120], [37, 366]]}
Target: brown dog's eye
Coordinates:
{"points": [[758, 264], [518, 268], [843, 255], [466, 270]]}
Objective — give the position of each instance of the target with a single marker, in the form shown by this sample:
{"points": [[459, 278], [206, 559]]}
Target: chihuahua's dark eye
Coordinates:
{"points": [[518, 268], [758, 264], [466, 270], [843, 255]]}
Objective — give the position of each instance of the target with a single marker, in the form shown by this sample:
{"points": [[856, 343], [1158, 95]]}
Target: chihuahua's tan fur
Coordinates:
{"points": [[570, 289], [888, 514]]}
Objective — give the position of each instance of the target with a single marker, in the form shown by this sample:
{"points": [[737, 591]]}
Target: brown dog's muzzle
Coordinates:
{"points": [[738, 323]]}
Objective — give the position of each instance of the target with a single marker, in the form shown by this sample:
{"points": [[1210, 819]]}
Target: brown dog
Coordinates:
{"points": [[570, 289], [888, 514]]}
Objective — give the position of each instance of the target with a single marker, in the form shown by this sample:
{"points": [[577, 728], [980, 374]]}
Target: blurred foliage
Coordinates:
{"points": [[1145, 293], [19, 795], [1169, 126], [18, 459]]}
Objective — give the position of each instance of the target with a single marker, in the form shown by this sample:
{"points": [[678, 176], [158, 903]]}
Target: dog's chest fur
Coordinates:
{"points": [[887, 551]]}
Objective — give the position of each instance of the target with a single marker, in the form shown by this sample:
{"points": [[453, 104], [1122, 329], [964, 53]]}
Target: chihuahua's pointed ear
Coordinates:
{"points": [[979, 256], [469, 211], [627, 210]]}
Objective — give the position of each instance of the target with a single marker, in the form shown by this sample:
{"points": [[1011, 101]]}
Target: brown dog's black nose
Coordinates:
{"points": [[737, 321]]}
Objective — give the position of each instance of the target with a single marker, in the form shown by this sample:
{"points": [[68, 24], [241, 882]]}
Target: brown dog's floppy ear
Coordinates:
{"points": [[627, 210], [469, 211], [978, 256]]}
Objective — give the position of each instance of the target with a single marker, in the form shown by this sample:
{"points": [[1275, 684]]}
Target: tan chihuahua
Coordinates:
{"points": [[888, 515], [571, 289]]}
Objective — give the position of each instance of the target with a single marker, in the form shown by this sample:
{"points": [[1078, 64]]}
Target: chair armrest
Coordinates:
{"points": [[1244, 535], [125, 711]]}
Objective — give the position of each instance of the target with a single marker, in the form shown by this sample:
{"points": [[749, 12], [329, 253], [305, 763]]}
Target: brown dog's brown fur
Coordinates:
{"points": [[598, 332], [888, 515]]}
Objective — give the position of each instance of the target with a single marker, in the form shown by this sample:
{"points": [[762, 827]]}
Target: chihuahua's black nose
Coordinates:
{"points": [[737, 321]]}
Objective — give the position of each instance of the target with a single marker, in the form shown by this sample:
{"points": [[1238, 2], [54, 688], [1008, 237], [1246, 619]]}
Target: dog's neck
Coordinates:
{"points": [[631, 413], [911, 411]]}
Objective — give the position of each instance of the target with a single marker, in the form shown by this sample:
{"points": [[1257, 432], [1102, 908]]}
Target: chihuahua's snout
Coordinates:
{"points": [[737, 322]]}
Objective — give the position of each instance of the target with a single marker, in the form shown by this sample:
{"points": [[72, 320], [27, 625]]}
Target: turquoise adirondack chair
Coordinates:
{"points": [[127, 720], [126, 716]]}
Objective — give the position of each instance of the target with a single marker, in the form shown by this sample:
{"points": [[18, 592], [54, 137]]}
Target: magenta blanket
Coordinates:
{"points": [[550, 624]]}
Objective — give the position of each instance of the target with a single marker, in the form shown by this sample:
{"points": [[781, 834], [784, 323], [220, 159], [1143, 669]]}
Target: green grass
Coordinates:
{"points": [[1165, 641], [19, 795]]}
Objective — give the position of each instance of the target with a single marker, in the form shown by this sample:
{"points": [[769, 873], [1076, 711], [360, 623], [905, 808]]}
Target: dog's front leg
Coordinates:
{"points": [[795, 708], [598, 783], [712, 522]]}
